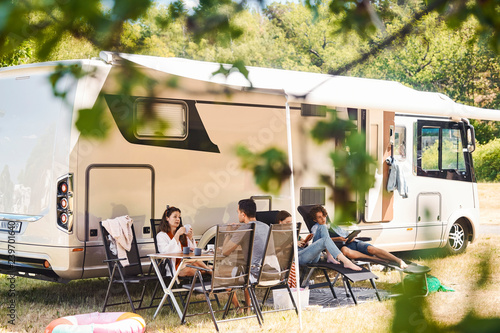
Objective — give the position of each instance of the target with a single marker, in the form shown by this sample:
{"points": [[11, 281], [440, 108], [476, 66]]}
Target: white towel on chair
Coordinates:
{"points": [[120, 229]]}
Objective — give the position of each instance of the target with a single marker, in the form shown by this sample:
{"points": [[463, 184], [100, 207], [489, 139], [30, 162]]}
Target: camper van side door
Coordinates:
{"points": [[442, 162]]}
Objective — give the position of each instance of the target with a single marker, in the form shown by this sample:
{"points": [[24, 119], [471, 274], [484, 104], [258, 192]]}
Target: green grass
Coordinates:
{"points": [[475, 276]]}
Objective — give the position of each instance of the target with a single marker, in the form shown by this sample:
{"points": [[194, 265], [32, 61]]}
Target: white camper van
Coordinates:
{"points": [[56, 185]]}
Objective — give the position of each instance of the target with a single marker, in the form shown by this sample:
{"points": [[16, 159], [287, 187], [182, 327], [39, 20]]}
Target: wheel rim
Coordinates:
{"points": [[456, 238]]}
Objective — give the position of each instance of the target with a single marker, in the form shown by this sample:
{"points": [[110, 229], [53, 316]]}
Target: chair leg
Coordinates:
{"points": [[154, 293], [142, 294], [305, 281], [348, 284], [183, 319], [129, 297], [266, 296], [227, 307], [107, 295], [330, 284], [292, 299], [111, 279], [126, 290], [376, 290], [256, 307], [207, 298], [217, 300]]}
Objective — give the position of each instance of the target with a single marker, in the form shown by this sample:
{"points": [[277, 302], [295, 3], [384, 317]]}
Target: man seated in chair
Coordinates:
{"points": [[247, 210], [354, 249]]}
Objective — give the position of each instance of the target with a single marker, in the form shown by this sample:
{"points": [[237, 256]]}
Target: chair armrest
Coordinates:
{"points": [[364, 239], [199, 268], [117, 259]]}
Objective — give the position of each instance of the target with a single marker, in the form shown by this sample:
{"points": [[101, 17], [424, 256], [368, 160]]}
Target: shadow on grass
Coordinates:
{"points": [[426, 254]]}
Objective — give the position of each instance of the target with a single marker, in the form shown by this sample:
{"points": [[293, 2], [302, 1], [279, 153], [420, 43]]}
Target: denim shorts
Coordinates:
{"points": [[359, 246]]}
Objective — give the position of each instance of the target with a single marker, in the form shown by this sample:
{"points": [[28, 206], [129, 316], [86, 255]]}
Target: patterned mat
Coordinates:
{"points": [[323, 297]]}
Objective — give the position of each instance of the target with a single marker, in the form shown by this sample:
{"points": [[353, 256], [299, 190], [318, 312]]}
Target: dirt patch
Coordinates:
{"points": [[489, 202]]}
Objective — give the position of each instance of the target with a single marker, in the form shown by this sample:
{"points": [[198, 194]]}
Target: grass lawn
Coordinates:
{"points": [[39, 302], [474, 275], [489, 197]]}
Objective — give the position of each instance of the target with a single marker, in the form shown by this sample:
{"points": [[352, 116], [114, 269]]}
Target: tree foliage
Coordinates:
{"points": [[448, 46], [487, 161]]}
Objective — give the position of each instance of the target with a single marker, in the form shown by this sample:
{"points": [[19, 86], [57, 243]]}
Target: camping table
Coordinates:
{"points": [[168, 290]]}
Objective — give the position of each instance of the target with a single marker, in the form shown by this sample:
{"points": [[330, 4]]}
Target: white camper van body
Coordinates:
{"points": [[49, 231]]}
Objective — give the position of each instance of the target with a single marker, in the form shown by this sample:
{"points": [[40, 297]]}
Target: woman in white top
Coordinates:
{"points": [[172, 238]]}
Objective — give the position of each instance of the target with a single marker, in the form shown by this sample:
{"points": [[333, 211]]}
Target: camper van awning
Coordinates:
{"points": [[321, 89]]}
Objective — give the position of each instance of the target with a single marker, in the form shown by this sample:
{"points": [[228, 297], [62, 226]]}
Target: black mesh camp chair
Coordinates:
{"points": [[276, 264], [304, 212], [267, 216], [348, 275], [231, 268], [125, 275]]}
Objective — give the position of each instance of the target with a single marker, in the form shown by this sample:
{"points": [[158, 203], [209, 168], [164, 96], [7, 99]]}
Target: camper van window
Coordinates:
{"points": [[430, 148], [453, 157], [441, 151], [400, 143], [160, 119]]}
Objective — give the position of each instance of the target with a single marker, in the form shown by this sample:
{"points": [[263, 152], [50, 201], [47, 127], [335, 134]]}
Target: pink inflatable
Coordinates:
{"points": [[106, 322]]}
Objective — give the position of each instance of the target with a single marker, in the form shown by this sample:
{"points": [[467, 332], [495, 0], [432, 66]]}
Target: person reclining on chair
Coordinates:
{"points": [[310, 254], [354, 249]]}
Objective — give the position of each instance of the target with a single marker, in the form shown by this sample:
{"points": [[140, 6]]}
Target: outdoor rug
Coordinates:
{"points": [[324, 298]]}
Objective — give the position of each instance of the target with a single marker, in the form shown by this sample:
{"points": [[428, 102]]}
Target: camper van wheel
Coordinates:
{"points": [[457, 238]]}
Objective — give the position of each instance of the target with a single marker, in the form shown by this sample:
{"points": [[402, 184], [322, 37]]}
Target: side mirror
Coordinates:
{"points": [[471, 138]]}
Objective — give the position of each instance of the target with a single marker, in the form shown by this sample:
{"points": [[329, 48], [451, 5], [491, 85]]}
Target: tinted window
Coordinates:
{"points": [[160, 119]]}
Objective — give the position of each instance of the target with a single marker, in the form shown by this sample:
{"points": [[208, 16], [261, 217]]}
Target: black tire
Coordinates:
{"points": [[458, 238]]}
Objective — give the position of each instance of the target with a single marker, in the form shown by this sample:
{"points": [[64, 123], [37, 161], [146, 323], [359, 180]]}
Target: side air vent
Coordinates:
{"points": [[312, 196], [311, 110]]}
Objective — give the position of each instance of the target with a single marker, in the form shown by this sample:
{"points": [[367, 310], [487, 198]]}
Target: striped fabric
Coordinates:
{"points": [[291, 277]]}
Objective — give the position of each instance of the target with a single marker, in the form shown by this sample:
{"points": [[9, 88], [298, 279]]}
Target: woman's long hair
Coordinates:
{"points": [[281, 216], [165, 226]]}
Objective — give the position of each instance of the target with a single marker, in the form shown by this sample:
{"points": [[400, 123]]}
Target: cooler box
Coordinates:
{"points": [[282, 299]]}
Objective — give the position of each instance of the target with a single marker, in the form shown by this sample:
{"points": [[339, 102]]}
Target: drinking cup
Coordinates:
{"points": [[186, 250]]}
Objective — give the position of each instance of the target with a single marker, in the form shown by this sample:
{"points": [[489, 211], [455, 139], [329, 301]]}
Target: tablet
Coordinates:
{"points": [[308, 238], [352, 235]]}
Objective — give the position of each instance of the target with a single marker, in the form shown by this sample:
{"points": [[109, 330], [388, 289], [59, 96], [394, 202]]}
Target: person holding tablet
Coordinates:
{"points": [[353, 249], [311, 253]]}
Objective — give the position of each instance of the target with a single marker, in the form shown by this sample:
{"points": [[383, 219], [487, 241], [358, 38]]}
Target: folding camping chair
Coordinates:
{"points": [[276, 264], [125, 275], [167, 267], [267, 216], [231, 268], [348, 275]]}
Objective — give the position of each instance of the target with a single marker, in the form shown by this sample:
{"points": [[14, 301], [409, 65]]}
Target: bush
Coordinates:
{"points": [[487, 161]]}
